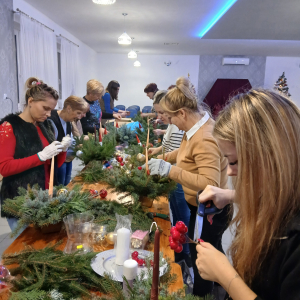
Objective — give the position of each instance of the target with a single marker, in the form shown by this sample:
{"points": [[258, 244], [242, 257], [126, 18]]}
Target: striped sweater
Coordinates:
{"points": [[172, 138]]}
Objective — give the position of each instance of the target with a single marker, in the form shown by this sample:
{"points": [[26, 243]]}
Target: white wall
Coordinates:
{"points": [[87, 62], [133, 80], [291, 66]]}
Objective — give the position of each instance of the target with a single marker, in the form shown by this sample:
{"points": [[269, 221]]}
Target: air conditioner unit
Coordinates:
{"points": [[235, 61]]}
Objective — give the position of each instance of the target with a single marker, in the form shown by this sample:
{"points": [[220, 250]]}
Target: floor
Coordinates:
{"points": [[6, 240]]}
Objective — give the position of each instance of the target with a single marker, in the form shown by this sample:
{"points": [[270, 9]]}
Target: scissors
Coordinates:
{"points": [[203, 210]]}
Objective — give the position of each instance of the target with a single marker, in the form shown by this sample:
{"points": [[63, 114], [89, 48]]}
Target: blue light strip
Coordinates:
{"points": [[218, 16]]}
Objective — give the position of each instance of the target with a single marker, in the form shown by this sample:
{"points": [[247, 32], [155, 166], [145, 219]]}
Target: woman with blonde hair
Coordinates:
{"points": [[94, 92], [259, 132], [27, 143], [199, 163], [74, 108]]}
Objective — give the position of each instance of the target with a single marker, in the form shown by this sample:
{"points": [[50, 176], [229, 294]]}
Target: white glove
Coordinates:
{"points": [[52, 150], [159, 167], [66, 142]]}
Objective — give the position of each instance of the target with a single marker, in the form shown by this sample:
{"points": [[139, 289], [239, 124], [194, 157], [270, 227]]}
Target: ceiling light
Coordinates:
{"points": [[132, 54], [124, 39], [137, 63], [104, 2]]}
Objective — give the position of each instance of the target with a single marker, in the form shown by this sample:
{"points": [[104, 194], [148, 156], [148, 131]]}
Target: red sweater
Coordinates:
{"points": [[10, 166]]}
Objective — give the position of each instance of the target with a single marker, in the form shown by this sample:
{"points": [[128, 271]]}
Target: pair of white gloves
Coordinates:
{"points": [[159, 167], [55, 148]]}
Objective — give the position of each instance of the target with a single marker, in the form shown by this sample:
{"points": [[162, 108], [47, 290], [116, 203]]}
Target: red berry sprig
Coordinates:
{"points": [[122, 164], [177, 237], [141, 262]]}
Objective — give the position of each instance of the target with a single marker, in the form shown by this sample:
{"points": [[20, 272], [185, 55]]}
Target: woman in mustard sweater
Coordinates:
{"points": [[199, 163]]}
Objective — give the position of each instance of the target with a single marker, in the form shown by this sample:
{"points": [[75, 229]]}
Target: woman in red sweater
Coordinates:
{"points": [[27, 143]]}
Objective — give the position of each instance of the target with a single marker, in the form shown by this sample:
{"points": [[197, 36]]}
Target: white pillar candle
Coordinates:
{"points": [[123, 243], [130, 272]]}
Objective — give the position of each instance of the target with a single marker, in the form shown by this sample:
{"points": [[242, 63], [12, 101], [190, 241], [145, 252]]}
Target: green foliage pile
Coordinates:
{"points": [[93, 172], [51, 274], [93, 150], [136, 183], [34, 206], [127, 135]]}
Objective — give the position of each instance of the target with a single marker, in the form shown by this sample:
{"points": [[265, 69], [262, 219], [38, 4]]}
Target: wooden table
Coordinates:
{"points": [[35, 238]]}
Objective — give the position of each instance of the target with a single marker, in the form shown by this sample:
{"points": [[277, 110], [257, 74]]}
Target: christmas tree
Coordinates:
{"points": [[281, 85]]}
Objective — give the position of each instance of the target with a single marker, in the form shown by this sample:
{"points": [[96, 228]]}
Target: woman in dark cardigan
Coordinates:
{"points": [[259, 132], [27, 143]]}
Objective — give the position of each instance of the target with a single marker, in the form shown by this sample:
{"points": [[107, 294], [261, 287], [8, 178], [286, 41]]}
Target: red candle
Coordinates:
{"points": [[100, 137], [117, 125], [105, 131], [155, 280], [95, 131]]}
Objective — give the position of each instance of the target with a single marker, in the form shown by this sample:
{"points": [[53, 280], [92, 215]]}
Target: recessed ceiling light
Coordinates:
{"points": [[104, 2], [171, 44]]}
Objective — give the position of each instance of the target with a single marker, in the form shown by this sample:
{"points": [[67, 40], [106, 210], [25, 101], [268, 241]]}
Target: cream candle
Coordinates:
{"points": [[129, 272], [123, 242]]}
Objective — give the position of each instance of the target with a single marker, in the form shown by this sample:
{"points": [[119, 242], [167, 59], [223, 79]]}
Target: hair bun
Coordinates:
{"points": [[32, 82], [187, 88]]}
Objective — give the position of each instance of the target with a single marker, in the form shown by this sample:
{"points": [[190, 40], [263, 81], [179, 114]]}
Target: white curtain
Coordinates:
{"points": [[38, 54], [69, 58]]}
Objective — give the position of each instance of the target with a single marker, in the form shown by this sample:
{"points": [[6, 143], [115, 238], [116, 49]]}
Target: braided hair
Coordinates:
{"points": [[39, 90]]}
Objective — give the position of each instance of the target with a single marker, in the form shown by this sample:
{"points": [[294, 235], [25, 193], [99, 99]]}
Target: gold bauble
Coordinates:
{"points": [[62, 191], [141, 157], [110, 238]]}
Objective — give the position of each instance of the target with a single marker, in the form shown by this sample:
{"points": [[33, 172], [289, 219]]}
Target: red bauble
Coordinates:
{"points": [[140, 168], [119, 159], [103, 193], [178, 249], [173, 245], [122, 164], [182, 239], [170, 238]]}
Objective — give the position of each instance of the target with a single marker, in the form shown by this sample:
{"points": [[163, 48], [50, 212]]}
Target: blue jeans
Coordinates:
{"points": [[64, 173], [180, 210]]}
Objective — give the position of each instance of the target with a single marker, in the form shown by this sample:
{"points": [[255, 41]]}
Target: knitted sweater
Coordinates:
{"points": [[199, 163]]}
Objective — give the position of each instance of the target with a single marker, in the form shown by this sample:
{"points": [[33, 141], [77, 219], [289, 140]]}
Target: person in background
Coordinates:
{"points": [[74, 108], [158, 121], [259, 132], [171, 141], [199, 162], [76, 124], [150, 91], [95, 91], [27, 143], [107, 102]]}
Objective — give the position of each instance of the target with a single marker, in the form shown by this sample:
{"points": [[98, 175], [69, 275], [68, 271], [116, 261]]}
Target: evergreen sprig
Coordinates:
{"points": [[35, 206], [92, 150], [93, 172], [51, 274], [136, 183]]}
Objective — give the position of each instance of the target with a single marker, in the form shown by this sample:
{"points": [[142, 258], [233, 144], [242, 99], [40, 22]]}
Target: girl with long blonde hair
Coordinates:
{"points": [[259, 132]]}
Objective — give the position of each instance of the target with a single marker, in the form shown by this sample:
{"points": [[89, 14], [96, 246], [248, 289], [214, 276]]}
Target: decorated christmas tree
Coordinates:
{"points": [[281, 85]]}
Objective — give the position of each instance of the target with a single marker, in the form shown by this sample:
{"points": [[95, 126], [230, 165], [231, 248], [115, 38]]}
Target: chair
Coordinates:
{"points": [[136, 107], [122, 107], [133, 112], [146, 109]]}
